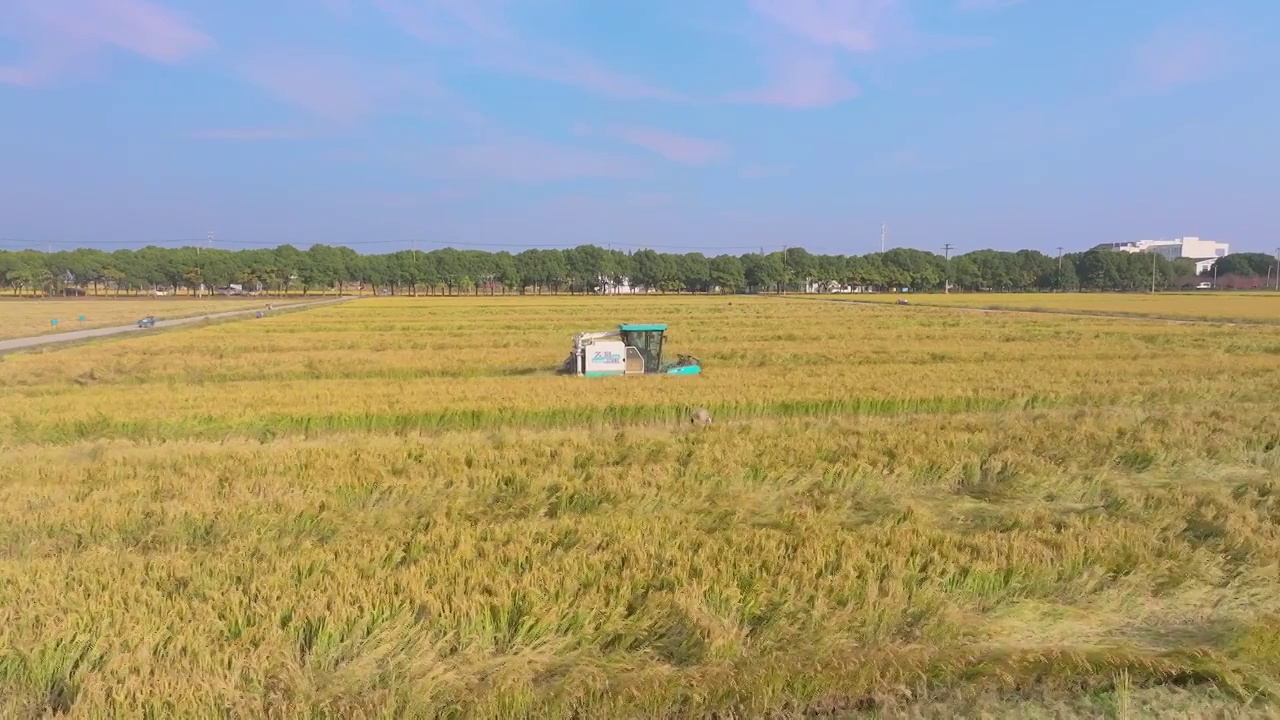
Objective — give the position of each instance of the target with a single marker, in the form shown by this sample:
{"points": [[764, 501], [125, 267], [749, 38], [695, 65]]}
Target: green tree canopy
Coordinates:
{"points": [[592, 269]]}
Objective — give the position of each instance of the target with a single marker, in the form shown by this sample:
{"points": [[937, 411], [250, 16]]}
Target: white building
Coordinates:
{"points": [[1183, 247], [1204, 266], [1204, 252]]}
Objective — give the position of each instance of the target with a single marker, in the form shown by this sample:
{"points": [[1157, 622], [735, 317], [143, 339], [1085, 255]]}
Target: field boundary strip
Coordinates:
{"points": [[1024, 310], [79, 336], [20, 431]]}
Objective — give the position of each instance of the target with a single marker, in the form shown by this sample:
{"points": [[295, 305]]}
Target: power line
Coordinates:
{"points": [[411, 244], [404, 243]]}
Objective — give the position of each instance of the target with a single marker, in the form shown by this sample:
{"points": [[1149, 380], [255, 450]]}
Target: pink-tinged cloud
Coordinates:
{"points": [[246, 134], [336, 88], [59, 36], [906, 161], [848, 25], [483, 32], [339, 8], [568, 67], [649, 199], [322, 86], [66, 29], [1180, 54], [970, 5], [806, 41], [677, 148], [531, 162], [402, 200], [449, 23], [757, 172], [801, 82], [20, 76]]}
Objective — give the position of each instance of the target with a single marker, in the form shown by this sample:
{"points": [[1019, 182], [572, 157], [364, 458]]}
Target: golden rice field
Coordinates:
{"points": [[24, 317], [390, 508], [1245, 307]]}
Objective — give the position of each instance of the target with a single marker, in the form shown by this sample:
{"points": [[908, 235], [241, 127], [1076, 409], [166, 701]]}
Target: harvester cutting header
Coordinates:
{"points": [[629, 350]]}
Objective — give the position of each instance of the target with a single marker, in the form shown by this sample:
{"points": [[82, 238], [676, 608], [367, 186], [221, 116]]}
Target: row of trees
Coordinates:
{"points": [[590, 268]]}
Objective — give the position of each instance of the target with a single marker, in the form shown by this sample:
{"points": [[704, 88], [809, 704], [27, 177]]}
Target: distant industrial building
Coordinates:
{"points": [[1204, 252]]}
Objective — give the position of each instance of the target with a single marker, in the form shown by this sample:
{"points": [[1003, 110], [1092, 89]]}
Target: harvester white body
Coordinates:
{"points": [[629, 350]]}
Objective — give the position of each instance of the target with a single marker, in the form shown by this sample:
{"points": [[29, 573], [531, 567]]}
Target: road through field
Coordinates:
{"points": [[38, 340]]}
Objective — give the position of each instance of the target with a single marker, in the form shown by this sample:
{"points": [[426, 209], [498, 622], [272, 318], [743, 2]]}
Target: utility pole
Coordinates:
{"points": [[946, 281], [882, 234], [784, 269], [1060, 268], [199, 265], [1153, 272], [1277, 268]]}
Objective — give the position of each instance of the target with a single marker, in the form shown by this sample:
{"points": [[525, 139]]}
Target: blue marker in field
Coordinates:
{"points": [[54, 322], [81, 318]]}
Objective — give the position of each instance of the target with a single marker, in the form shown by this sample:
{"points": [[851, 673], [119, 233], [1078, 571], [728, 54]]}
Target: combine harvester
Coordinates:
{"points": [[629, 350]]}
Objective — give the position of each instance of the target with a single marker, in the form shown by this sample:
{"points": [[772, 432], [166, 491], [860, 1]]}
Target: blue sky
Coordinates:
{"points": [[705, 124]]}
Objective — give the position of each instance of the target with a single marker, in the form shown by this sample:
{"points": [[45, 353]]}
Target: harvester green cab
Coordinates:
{"points": [[632, 349]]}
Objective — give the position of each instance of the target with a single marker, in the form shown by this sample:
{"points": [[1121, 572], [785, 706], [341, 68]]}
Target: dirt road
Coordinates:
{"points": [[75, 335]]}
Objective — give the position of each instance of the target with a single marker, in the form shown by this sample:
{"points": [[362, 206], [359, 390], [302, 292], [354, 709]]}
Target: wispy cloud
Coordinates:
{"points": [[757, 172], [677, 148], [805, 42], [672, 146], [482, 31], [409, 199], [247, 134], [339, 8], [62, 33], [649, 199], [801, 81], [850, 25], [22, 76], [528, 161], [330, 87], [567, 67], [971, 5], [449, 22], [345, 90], [905, 161], [1179, 54]]}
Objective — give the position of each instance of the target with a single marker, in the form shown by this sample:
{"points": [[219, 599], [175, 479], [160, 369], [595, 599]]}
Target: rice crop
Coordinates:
{"points": [[393, 508], [1243, 307], [25, 317]]}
